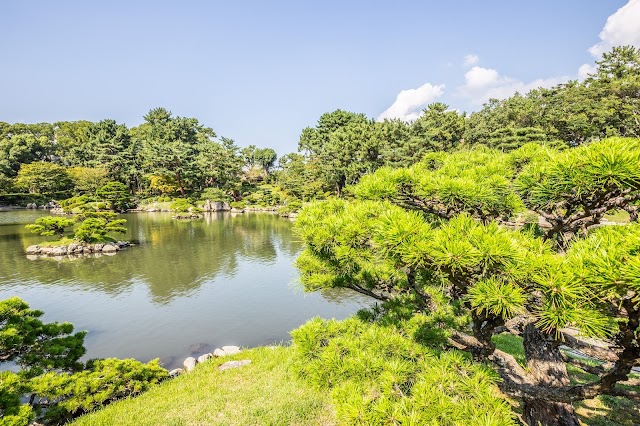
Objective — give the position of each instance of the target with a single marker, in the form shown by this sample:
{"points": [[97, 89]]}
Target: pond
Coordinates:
{"points": [[185, 288]]}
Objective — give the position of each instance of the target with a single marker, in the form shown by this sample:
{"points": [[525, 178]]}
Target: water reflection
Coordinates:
{"points": [[224, 279]]}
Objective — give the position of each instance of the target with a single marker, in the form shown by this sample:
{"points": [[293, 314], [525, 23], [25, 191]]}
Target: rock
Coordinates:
{"points": [[218, 352], [32, 206], [72, 247], [97, 247], [231, 350], [176, 372], [59, 251], [109, 248], [86, 250], [189, 364], [46, 250], [226, 207], [33, 249], [234, 364], [234, 210], [203, 358]]}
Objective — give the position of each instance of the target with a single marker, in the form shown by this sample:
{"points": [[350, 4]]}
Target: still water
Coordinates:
{"points": [[185, 288]]}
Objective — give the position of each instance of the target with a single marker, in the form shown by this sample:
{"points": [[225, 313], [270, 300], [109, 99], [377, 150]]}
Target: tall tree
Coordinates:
{"points": [[172, 145]]}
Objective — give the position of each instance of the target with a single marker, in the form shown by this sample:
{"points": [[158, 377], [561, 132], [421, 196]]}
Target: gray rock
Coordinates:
{"points": [[189, 364], [72, 247], [86, 250], [203, 358], [231, 350], [33, 249], [46, 250], [59, 251], [234, 210], [218, 352], [109, 248], [234, 364], [176, 372], [97, 247]]}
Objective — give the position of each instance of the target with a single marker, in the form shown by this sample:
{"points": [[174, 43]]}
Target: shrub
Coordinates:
{"points": [[103, 381], [214, 194], [50, 225], [378, 375]]}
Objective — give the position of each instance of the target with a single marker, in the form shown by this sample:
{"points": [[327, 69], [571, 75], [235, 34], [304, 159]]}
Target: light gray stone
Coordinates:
{"points": [[109, 248], [46, 250], [59, 251], [218, 352], [176, 372], [33, 249], [231, 350], [189, 364], [234, 364], [97, 247], [203, 358]]}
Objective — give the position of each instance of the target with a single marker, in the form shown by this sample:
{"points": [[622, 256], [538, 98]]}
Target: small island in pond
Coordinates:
{"points": [[91, 231]]}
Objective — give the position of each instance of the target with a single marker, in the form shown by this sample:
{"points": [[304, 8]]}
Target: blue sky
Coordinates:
{"points": [[259, 72]]}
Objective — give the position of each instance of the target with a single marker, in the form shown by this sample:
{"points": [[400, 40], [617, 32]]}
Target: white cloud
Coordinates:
{"points": [[471, 59], [622, 28], [409, 103], [482, 84], [585, 70]]}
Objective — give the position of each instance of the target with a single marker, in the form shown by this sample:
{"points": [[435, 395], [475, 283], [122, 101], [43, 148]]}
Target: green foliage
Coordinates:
{"points": [[101, 382], [50, 225], [476, 181], [36, 346], [12, 411], [379, 376], [94, 226], [181, 205], [42, 177], [87, 180], [117, 195], [48, 355], [214, 194]]}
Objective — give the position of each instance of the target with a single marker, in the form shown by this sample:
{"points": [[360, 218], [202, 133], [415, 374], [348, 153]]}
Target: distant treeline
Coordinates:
{"points": [[169, 155]]}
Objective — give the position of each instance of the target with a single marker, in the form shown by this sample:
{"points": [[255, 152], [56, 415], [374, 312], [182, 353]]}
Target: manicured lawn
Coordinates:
{"points": [[265, 392]]}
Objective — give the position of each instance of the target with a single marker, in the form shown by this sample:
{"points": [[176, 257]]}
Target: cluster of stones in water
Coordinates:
{"points": [[191, 362], [78, 249]]}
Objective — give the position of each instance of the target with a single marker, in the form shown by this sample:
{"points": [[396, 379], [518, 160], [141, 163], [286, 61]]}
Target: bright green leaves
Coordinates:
{"points": [[475, 181], [493, 297], [34, 345], [584, 175], [377, 375], [50, 225]]}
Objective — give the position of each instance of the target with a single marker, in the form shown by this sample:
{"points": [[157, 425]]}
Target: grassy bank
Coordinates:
{"points": [[265, 392]]}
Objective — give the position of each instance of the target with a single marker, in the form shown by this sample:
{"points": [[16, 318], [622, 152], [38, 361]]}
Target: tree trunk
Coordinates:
{"points": [[546, 367]]}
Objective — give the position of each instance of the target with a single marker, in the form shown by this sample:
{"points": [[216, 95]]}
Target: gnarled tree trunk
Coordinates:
{"points": [[546, 367]]}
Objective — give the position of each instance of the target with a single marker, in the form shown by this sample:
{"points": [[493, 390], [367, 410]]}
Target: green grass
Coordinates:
{"points": [[265, 392]]}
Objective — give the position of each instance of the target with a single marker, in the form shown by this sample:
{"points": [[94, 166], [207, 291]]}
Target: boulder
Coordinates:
{"points": [[46, 250], [97, 247], [234, 364], [231, 350], [176, 372], [109, 248], [72, 247], [203, 358], [218, 352], [33, 249], [59, 251], [234, 210], [189, 364]]}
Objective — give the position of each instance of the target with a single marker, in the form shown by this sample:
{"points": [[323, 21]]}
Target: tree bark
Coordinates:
{"points": [[546, 368]]}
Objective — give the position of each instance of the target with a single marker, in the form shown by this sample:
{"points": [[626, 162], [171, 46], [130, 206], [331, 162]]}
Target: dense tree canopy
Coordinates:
{"points": [[434, 234]]}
